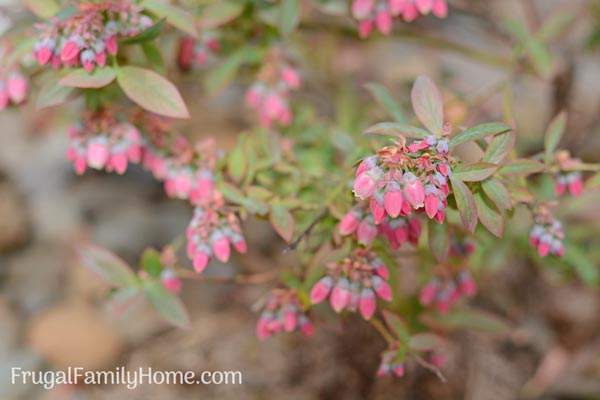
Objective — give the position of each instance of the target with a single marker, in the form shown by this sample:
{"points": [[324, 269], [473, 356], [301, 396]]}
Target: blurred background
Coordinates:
{"points": [[55, 314]]}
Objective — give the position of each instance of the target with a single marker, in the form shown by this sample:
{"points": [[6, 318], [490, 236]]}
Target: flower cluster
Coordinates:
{"points": [[445, 292], [103, 143], [91, 34], [397, 230], [282, 312], [547, 234], [269, 95], [401, 178], [572, 181], [13, 89], [353, 283], [186, 175], [391, 364], [211, 232], [379, 13], [195, 53]]}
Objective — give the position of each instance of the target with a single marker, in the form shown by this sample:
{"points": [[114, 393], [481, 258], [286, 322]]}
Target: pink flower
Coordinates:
{"points": [[321, 290], [97, 153], [340, 296], [382, 288], [220, 247], [364, 185], [413, 191], [383, 20], [393, 199], [70, 51], [362, 8], [290, 77], [349, 223], [367, 303], [17, 87]]}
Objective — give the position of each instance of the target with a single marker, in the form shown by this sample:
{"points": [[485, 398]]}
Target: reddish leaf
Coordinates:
{"points": [[176, 16], [499, 148], [479, 132], [80, 78], [488, 216], [152, 91], [428, 104], [497, 192], [396, 129], [282, 220], [474, 172], [110, 267], [522, 166]]}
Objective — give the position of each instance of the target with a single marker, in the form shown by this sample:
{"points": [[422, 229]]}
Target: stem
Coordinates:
{"points": [[383, 331], [430, 367], [248, 279]]}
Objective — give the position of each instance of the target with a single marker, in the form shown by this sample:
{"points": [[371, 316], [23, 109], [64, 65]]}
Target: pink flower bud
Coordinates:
{"points": [[186, 53], [43, 55], [273, 105], [290, 77], [253, 97], [377, 210], [361, 9], [432, 204], [559, 188], [466, 284], [16, 87], [382, 288], [428, 293], [440, 216], [101, 59], [364, 28], [401, 233], [240, 246], [543, 249], [393, 200], [118, 163], [382, 270], [366, 232], [414, 192], [396, 6], [424, 6], [97, 153], [289, 323], [340, 295], [306, 327], [367, 303], [112, 46], [80, 165], [440, 8], [262, 328], [349, 223], [364, 185], [383, 20], [414, 230], [200, 261], [170, 281], [3, 96], [365, 165], [575, 186], [398, 370], [221, 249], [70, 51], [410, 12], [321, 290]]}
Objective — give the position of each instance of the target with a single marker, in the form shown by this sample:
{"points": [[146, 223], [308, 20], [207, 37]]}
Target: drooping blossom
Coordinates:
{"points": [[570, 181], [379, 14], [354, 283], [403, 178], [392, 364], [197, 52], [547, 233], [171, 281], [13, 88], [86, 38], [368, 223], [211, 234], [444, 292], [283, 312], [102, 142], [269, 95]]}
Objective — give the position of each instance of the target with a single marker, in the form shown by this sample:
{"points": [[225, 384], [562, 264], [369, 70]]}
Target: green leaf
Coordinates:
{"points": [[439, 240], [42, 8], [219, 13], [465, 203], [218, 78], [397, 325], [488, 216], [237, 161], [282, 221], [383, 97], [289, 16], [150, 262], [80, 78], [479, 132], [52, 94], [234, 195], [522, 166], [428, 104], [553, 135], [146, 35], [555, 25], [499, 148], [176, 16], [470, 320], [152, 91], [424, 342], [153, 56], [107, 265], [474, 172], [168, 305], [396, 129], [497, 192], [540, 57], [586, 269]]}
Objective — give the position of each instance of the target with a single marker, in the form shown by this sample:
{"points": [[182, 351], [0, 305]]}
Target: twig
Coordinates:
{"points": [[430, 367]]}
